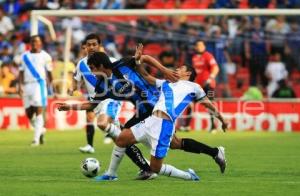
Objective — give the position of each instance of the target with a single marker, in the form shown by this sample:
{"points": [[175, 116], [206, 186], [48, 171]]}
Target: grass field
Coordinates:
{"points": [[258, 164]]}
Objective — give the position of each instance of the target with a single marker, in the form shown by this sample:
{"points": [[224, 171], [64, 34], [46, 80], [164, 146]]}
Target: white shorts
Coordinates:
{"points": [[35, 94], [109, 107], [156, 133]]}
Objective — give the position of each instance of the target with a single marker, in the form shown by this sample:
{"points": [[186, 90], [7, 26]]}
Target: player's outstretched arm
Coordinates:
{"points": [[81, 106], [208, 104]]}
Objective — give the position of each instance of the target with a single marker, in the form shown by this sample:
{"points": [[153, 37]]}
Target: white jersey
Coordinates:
{"points": [[35, 66], [175, 97], [83, 71]]}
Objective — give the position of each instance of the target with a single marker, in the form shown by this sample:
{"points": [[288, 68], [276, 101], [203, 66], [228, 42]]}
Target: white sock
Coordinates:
{"points": [[113, 130], [116, 158], [169, 170], [38, 127]]}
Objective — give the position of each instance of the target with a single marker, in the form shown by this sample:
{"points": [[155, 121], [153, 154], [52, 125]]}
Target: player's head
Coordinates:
{"points": [[186, 72], [36, 43], [92, 43], [200, 46], [99, 62]]}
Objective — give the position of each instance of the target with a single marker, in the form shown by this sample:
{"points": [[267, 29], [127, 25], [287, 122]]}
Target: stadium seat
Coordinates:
{"points": [[152, 49], [155, 4], [243, 4]]}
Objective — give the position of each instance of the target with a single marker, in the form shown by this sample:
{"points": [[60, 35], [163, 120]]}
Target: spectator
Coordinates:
{"points": [[7, 80], [256, 51], [109, 4], [136, 4], [253, 93], [6, 25], [259, 3], [12, 7], [292, 47], [284, 91], [218, 47], [275, 72], [277, 30]]}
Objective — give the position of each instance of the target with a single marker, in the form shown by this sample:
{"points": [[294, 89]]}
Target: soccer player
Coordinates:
{"points": [[157, 130], [207, 69], [144, 95], [35, 69], [109, 109]]}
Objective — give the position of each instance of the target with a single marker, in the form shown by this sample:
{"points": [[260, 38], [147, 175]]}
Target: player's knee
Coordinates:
{"points": [[102, 124], [120, 142]]}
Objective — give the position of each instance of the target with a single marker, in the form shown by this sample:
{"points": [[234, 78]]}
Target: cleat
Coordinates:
{"points": [[34, 144], [42, 139], [194, 176], [105, 177], [146, 175], [220, 159], [87, 149]]}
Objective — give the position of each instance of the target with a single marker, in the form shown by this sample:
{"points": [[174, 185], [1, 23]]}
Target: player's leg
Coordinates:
{"points": [[108, 121], [157, 166], [193, 146], [38, 124], [90, 132]]}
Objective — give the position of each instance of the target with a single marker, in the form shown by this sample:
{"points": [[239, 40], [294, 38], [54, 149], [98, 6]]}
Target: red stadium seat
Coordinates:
{"points": [[170, 4], [152, 49], [155, 4], [243, 4]]}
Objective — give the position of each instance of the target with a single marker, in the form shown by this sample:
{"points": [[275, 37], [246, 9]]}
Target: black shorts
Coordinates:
{"points": [[210, 92]]}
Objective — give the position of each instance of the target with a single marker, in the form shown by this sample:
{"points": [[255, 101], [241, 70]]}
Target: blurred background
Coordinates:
{"points": [[273, 41]]}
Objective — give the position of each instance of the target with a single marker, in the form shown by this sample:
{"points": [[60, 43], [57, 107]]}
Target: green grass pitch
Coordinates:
{"points": [[258, 164]]}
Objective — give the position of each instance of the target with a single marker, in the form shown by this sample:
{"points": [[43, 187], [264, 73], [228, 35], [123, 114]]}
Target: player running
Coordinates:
{"points": [[35, 70]]}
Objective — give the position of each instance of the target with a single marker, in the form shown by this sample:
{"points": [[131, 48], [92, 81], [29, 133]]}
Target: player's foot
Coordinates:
{"points": [[107, 140], [87, 149], [34, 144], [105, 177], [194, 176], [220, 159], [146, 175], [42, 139]]}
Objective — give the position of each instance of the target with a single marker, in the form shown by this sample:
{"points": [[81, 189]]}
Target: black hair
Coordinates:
{"points": [[199, 40], [92, 36], [99, 58], [35, 36], [193, 72], [83, 42]]}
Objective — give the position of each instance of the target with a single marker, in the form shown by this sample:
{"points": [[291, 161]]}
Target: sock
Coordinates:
{"points": [[212, 122], [136, 156], [190, 145], [169, 170], [38, 127], [113, 130], [90, 131], [116, 158]]}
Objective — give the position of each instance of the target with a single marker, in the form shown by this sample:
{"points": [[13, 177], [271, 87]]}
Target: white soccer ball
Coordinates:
{"points": [[90, 167]]}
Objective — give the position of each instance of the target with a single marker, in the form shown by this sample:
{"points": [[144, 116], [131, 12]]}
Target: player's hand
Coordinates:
{"points": [[170, 75], [225, 126], [211, 82], [63, 107], [138, 52]]}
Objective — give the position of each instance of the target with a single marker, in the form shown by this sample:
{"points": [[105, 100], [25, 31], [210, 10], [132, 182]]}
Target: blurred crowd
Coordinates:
{"points": [[252, 52]]}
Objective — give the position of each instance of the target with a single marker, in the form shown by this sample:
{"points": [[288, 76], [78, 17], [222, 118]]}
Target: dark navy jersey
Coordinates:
{"points": [[127, 84]]}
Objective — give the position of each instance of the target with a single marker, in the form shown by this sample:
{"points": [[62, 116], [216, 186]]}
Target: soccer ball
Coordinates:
{"points": [[90, 167]]}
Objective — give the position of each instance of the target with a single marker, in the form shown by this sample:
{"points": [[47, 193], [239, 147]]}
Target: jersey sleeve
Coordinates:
{"points": [[77, 73], [158, 83], [199, 92], [48, 62], [22, 65]]}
